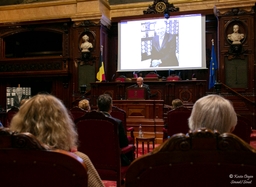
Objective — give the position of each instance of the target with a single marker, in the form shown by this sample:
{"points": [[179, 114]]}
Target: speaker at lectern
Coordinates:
{"points": [[136, 93]]}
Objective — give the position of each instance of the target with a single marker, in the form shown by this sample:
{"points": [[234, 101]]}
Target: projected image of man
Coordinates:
{"points": [[163, 47]]}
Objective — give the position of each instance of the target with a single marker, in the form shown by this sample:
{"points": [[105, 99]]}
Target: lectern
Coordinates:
{"points": [[136, 93]]}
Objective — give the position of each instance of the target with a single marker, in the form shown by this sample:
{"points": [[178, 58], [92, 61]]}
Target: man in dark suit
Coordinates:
{"points": [[163, 47], [140, 84], [105, 104], [19, 97]]}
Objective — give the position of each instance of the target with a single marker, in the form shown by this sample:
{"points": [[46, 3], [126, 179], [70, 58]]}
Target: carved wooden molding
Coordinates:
{"points": [[233, 11], [160, 7]]}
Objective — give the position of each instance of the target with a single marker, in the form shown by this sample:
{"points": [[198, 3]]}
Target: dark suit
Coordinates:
{"points": [[123, 141], [144, 86], [17, 101], [167, 52]]}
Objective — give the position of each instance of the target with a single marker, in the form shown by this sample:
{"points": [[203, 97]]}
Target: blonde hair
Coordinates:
{"points": [[213, 112], [23, 101], [46, 117], [176, 103], [84, 104]]}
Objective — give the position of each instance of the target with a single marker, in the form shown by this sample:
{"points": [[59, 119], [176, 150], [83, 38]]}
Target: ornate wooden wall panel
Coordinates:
{"points": [[237, 58]]}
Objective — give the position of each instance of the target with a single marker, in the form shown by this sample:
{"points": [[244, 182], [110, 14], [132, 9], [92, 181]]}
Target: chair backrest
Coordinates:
{"points": [[24, 161], [243, 128], [177, 120], [10, 115], [173, 77], [121, 78], [152, 74], [76, 112], [200, 158], [98, 138], [119, 114]]}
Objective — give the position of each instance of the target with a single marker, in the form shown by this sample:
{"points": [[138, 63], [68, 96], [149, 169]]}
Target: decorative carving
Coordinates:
{"points": [[233, 12], [160, 6], [31, 66], [20, 140], [86, 23]]}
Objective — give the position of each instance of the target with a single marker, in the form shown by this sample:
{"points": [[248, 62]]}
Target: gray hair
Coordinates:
{"points": [[213, 112]]}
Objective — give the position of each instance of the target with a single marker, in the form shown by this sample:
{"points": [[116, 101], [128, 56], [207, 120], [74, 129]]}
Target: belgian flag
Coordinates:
{"points": [[101, 71]]}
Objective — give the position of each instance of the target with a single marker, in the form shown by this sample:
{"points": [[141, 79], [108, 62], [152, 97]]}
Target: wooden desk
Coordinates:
{"points": [[148, 113], [186, 90]]}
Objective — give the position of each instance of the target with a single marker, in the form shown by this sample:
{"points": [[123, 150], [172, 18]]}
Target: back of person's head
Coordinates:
{"points": [[104, 102], [46, 117], [213, 112], [84, 104], [176, 103]]}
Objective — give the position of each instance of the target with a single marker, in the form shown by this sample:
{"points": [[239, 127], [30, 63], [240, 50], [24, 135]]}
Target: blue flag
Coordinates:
{"points": [[213, 67]]}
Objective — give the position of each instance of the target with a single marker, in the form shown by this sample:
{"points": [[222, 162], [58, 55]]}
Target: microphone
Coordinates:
{"points": [[131, 86]]}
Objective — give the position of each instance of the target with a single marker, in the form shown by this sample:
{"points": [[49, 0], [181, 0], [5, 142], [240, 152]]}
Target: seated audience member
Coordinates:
{"points": [[105, 104], [176, 103], [213, 112], [46, 117], [140, 84], [85, 105], [1, 125]]}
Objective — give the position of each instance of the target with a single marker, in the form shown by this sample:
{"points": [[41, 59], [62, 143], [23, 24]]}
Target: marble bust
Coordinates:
{"points": [[236, 37], [86, 44]]}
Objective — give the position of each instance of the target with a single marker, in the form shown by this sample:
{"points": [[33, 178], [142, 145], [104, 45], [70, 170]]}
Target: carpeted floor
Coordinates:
{"points": [[113, 183]]}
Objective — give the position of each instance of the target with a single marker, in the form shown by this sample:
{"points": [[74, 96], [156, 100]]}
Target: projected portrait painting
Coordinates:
{"points": [[160, 42], [15, 95]]}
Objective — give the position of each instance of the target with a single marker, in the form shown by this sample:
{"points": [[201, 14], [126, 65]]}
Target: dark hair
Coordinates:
{"points": [[104, 102]]}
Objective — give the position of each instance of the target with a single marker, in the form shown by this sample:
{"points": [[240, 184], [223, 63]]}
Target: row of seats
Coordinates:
{"points": [[24, 161], [177, 122], [100, 142], [199, 158]]}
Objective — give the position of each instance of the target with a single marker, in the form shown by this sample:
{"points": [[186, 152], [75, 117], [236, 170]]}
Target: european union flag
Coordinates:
{"points": [[213, 67]]}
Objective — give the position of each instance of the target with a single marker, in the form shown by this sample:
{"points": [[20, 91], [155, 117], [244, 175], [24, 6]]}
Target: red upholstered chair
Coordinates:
{"points": [[121, 78], [10, 115], [152, 74], [98, 137], [177, 122], [243, 129], [121, 114], [76, 112], [24, 161], [173, 77], [201, 158]]}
